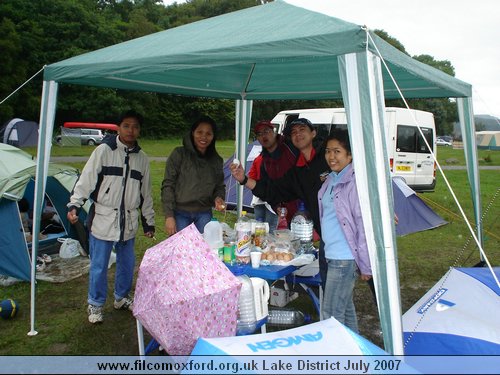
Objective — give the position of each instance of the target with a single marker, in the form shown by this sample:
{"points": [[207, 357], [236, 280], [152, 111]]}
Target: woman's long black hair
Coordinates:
{"points": [[211, 147], [340, 135]]}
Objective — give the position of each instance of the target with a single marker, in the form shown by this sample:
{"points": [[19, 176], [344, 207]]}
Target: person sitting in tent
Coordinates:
{"points": [[24, 208], [343, 234], [117, 177], [50, 221], [27, 221]]}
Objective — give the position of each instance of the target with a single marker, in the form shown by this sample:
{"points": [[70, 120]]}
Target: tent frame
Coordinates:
{"points": [[363, 94]]}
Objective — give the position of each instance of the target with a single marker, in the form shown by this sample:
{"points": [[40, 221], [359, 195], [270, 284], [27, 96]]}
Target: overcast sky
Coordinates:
{"points": [[465, 32]]}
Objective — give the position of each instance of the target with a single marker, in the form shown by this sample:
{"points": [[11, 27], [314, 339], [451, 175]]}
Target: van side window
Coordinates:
{"points": [[421, 146], [410, 140], [322, 132]]}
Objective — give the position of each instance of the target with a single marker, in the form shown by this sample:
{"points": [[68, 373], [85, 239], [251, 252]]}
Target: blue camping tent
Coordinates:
{"points": [[20, 133], [17, 172], [413, 214], [321, 338], [457, 316], [312, 343]]}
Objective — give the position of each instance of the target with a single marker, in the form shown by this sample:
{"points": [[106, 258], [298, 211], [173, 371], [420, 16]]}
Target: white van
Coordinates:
{"points": [[409, 157]]}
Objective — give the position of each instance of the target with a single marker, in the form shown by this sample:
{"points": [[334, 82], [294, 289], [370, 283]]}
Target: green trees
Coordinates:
{"points": [[39, 32], [444, 110]]}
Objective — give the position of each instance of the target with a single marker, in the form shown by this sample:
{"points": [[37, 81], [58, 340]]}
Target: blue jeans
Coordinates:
{"points": [[100, 251], [263, 214], [338, 296], [184, 218]]}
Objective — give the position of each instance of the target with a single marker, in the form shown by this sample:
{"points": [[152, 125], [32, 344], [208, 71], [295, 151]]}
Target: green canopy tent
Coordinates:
{"points": [[278, 51]]}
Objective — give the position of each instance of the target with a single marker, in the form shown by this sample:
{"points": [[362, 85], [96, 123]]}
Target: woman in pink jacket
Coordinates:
{"points": [[342, 231]]}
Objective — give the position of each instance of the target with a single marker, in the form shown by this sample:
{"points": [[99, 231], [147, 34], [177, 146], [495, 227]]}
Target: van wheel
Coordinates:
{"points": [[91, 142]]}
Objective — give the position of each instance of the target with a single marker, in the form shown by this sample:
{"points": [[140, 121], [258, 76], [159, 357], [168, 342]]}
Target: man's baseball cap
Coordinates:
{"points": [[261, 125], [301, 121]]}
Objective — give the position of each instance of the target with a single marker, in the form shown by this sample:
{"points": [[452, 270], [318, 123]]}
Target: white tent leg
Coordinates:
{"points": [[361, 81], [467, 126], [243, 118], [47, 115], [140, 338]]}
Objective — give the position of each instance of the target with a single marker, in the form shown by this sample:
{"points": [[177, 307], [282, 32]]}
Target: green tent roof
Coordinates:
{"points": [[18, 167], [272, 51]]}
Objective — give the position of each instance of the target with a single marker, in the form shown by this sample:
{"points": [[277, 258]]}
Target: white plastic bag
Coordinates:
{"points": [[112, 259], [70, 248]]}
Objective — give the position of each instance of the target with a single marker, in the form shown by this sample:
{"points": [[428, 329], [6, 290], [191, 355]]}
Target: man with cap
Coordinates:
{"points": [[276, 158], [302, 181]]}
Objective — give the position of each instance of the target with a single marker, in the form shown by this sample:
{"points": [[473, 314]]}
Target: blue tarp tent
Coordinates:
{"points": [[322, 338], [457, 316]]}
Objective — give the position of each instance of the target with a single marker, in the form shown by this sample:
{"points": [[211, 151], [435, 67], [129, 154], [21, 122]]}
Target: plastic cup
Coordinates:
{"points": [[255, 257]]}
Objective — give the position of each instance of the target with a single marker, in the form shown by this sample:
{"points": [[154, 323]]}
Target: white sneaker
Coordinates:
{"points": [[95, 314], [124, 304]]}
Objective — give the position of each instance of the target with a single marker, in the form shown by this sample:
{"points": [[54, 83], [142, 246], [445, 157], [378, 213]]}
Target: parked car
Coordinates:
{"points": [[89, 137], [447, 138], [92, 137], [443, 142], [85, 133]]}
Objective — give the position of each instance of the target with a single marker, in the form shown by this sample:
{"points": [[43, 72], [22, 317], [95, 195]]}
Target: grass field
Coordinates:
{"points": [[423, 258]]}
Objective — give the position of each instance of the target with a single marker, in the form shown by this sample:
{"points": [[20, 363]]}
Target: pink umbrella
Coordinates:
{"points": [[184, 292]]}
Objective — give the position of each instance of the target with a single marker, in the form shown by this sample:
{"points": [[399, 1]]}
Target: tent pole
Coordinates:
{"points": [[243, 118], [361, 82], [47, 114], [468, 129]]}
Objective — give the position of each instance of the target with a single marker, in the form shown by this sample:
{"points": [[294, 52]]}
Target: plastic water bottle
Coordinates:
{"points": [[301, 225], [246, 322], [243, 238], [212, 233], [287, 317]]}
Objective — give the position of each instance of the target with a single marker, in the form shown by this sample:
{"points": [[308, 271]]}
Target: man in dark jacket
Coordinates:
{"points": [[276, 158], [302, 181]]}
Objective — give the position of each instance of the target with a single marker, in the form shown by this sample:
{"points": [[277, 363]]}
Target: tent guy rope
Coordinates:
{"points": [[20, 87], [452, 192]]}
